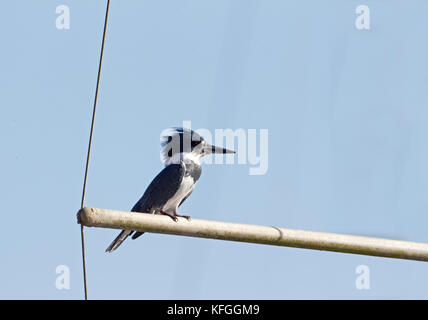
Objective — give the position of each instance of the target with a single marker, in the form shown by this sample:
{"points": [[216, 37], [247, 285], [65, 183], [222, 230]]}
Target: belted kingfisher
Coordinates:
{"points": [[182, 150]]}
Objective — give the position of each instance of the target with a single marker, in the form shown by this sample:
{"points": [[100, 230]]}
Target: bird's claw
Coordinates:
{"points": [[185, 217], [172, 216]]}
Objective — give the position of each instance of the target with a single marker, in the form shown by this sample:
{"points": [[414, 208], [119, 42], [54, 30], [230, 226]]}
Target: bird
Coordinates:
{"points": [[182, 150]]}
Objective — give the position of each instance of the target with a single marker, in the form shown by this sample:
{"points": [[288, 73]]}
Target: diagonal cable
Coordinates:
{"points": [[90, 145]]}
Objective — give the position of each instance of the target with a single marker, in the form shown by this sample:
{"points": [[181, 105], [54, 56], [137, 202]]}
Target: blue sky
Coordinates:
{"points": [[346, 112]]}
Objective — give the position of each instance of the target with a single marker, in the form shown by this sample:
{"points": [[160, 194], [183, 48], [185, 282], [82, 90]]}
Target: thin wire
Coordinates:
{"points": [[89, 148]]}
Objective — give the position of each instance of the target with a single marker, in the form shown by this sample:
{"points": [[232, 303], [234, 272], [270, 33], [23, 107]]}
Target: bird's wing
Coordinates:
{"points": [[161, 189]]}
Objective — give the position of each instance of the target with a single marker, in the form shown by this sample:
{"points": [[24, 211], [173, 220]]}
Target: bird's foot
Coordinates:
{"points": [[178, 215], [171, 215], [186, 217]]}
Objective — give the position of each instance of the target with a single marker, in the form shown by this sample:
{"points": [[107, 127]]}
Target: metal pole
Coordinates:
{"points": [[104, 218]]}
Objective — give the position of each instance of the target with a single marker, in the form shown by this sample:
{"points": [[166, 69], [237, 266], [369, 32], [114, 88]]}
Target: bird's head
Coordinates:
{"points": [[181, 143]]}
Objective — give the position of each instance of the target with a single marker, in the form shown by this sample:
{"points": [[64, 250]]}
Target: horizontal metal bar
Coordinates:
{"points": [[104, 218]]}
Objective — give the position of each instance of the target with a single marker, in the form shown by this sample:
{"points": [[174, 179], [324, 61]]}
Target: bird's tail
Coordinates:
{"points": [[118, 241]]}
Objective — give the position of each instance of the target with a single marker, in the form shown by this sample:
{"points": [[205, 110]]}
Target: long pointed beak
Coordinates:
{"points": [[214, 149]]}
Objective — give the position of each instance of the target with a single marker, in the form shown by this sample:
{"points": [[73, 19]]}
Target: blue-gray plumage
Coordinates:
{"points": [[182, 150]]}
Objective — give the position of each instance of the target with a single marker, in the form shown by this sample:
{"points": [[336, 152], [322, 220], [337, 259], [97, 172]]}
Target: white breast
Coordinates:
{"points": [[185, 188], [184, 156]]}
